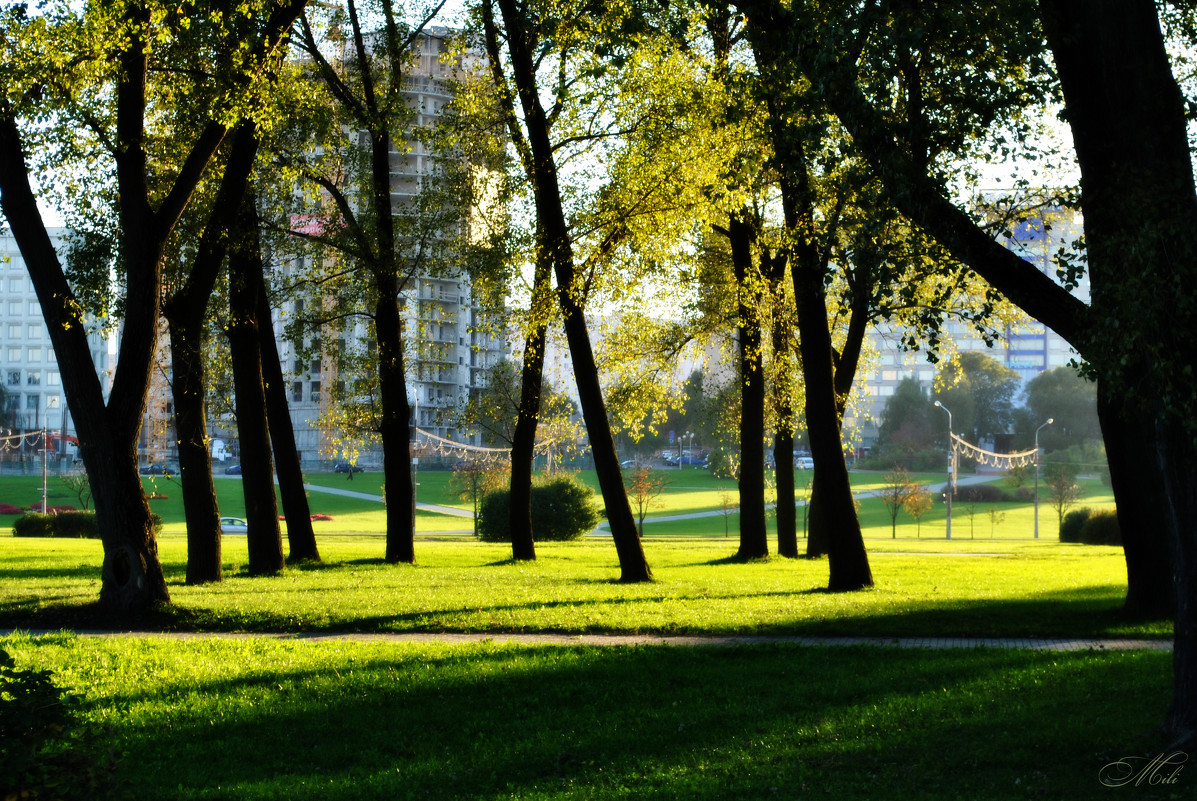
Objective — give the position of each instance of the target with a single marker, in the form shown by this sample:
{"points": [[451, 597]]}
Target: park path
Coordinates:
{"points": [[625, 640]]}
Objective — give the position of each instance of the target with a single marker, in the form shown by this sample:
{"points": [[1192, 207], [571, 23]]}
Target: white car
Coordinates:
{"points": [[233, 525]]}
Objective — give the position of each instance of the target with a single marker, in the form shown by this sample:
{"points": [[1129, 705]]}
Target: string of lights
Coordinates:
{"points": [[1001, 460]]}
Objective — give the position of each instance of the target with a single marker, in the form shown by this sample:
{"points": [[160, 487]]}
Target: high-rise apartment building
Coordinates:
{"points": [[31, 395]]}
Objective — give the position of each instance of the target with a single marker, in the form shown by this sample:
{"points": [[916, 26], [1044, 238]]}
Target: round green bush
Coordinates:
{"points": [[562, 509], [1070, 527], [1101, 528]]}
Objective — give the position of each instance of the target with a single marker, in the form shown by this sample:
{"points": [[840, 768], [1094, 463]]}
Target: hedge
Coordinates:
{"points": [[69, 525]]}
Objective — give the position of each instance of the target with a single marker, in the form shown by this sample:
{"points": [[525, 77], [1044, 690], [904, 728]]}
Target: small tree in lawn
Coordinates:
{"points": [[894, 495], [1062, 489], [644, 488], [995, 516], [729, 504], [474, 478], [917, 504]]}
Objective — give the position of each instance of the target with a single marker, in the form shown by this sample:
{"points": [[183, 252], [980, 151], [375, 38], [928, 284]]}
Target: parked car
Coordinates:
{"points": [[345, 467], [233, 525], [804, 463], [157, 470], [627, 464], [233, 470], [696, 461]]}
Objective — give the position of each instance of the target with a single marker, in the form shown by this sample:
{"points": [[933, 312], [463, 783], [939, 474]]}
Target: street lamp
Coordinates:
{"points": [[690, 434], [1050, 420], [948, 495]]}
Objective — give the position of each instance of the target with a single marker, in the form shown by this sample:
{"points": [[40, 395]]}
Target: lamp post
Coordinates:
{"points": [[1050, 420], [690, 434], [948, 495]]}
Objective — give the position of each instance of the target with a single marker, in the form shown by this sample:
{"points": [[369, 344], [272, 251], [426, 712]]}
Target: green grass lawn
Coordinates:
{"points": [[263, 717], [306, 721]]}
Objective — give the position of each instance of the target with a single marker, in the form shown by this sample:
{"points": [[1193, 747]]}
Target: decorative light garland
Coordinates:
{"points": [[431, 444], [1001, 460]]}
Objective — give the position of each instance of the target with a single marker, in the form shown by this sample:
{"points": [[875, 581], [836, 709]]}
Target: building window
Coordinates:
{"points": [[14, 354], [315, 395], [33, 379], [14, 308], [297, 392], [35, 331], [14, 331], [52, 378], [32, 402], [14, 378], [35, 310], [34, 354]]}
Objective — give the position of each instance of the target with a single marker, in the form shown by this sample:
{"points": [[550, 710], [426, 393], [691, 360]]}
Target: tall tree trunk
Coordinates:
{"points": [[1142, 504], [301, 539], [195, 459], [392, 379], [186, 315], [551, 217], [754, 537], [1127, 116], [257, 476], [523, 441]]}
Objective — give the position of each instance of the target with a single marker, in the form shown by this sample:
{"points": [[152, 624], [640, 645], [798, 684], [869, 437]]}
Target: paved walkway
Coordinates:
{"points": [[935, 643]]}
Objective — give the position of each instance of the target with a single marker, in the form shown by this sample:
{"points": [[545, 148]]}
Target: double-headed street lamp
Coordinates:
{"points": [[1050, 420], [948, 494]]}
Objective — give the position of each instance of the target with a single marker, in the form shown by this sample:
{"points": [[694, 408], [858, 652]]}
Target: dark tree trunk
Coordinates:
{"points": [[523, 441], [392, 380], [132, 575], [783, 438], [1142, 518], [847, 559], [186, 315], [1127, 116], [551, 217], [301, 539], [257, 476], [195, 459], [754, 537], [816, 533]]}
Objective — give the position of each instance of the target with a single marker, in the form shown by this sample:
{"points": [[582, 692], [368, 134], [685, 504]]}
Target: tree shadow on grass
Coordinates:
{"points": [[703, 724]]}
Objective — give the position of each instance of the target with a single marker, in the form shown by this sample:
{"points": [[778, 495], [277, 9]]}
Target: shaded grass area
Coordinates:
{"points": [[264, 719], [983, 590]]}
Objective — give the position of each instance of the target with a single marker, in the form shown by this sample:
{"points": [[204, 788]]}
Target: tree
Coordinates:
{"points": [[990, 88], [526, 41], [1062, 489], [53, 69], [475, 478], [895, 493], [918, 503], [1070, 399], [980, 392], [906, 425], [644, 487], [385, 243]]}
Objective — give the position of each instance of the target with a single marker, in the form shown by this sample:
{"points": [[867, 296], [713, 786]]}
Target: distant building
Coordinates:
{"points": [[31, 385]]}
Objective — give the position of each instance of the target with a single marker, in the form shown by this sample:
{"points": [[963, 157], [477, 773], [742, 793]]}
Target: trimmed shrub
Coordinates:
{"points": [[72, 525], [562, 509], [1101, 528], [1070, 527], [33, 524], [76, 525], [981, 493], [9, 509]]}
